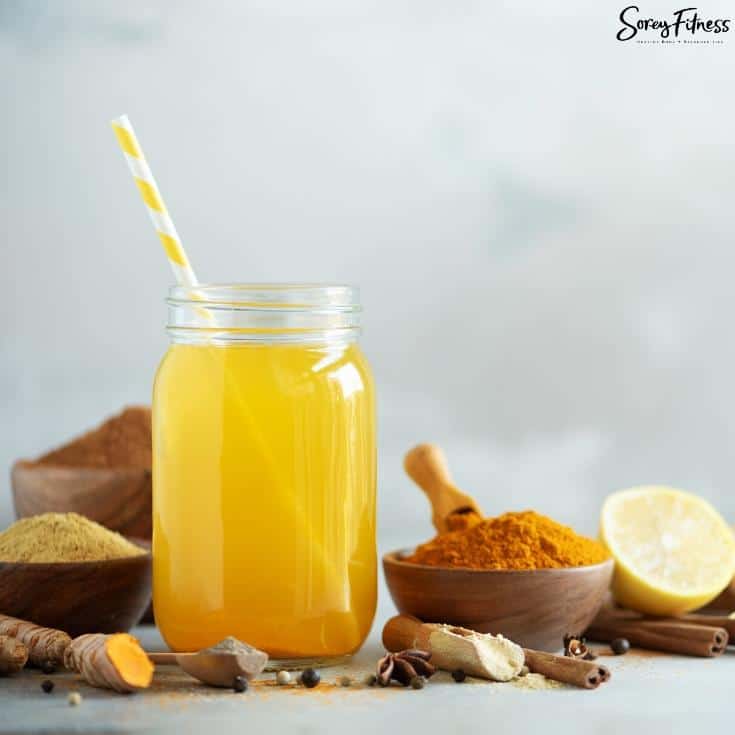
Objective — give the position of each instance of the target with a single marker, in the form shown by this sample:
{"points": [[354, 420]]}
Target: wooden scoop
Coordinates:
{"points": [[215, 669], [473, 652], [427, 466]]}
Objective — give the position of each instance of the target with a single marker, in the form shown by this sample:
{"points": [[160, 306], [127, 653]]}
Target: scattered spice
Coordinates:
{"points": [[310, 678], [13, 655], [403, 666], [110, 661], [371, 680], [74, 699], [121, 441], [535, 682], [526, 540], [43, 644], [418, 682], [47, 686], [620, 646], [345, 681], [575, 646], [459, 676], [240, 684], [283, 678], [60, 537]]}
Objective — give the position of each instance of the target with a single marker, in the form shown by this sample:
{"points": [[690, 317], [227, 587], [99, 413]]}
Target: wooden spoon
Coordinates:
{"points": [[427, 466], [215, 669]]}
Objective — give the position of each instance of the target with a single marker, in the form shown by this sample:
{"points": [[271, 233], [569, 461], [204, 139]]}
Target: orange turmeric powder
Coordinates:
{"points": [[526, 540]]}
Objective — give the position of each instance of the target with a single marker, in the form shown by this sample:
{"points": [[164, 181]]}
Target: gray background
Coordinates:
{"points": [[539, 216]]}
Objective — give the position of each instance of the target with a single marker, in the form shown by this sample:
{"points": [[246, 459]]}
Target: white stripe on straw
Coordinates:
{"points": [[153, 200]]}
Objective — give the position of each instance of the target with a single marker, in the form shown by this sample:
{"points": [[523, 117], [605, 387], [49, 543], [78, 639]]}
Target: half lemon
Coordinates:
{"points": [[673, 551]]}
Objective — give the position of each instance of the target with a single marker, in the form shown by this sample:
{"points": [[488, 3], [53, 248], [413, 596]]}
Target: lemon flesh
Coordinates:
{"points": [[673, 551]]}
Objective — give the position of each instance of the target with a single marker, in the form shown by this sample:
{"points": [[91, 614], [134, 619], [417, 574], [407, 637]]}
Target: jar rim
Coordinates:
{"points": [[225, 313], [287, 296]]}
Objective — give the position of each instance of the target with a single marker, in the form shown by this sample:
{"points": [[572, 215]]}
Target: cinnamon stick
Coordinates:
{"points": [[670, 635], [717, 621], [713, 620], [584, 674]]}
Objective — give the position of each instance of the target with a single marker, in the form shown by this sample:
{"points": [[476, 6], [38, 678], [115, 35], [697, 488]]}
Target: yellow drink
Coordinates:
{"points": [[264, 497]]}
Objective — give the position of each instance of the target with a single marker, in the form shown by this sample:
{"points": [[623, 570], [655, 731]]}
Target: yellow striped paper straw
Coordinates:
{"points": [[153, 201]]}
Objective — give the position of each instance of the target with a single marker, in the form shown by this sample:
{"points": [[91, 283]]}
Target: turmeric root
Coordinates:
{"points": [[13, 655], [43, 644], [110, 661]]}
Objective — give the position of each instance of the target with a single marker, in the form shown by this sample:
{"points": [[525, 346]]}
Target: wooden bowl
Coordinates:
{"points": [[78, 597], [119, 499], [535, 608]]}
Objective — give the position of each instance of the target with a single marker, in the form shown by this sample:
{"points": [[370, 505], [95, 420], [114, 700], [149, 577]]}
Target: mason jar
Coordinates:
{"points": [[264, 472]]}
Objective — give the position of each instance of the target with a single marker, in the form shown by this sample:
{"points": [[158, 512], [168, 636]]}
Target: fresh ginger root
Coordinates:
{"points": [[13, 655], [43, 644], [110, 661]]}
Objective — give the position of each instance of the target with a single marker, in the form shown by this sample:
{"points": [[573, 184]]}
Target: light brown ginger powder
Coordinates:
{"points": [[60, 537]]}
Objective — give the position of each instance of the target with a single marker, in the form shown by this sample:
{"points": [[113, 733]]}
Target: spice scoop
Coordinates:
{"points": [[218, 665], [487, 656], [451, 509], [451, 647]]}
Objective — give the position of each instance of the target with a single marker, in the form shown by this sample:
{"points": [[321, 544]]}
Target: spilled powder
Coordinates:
{"points": [[536, 682]]}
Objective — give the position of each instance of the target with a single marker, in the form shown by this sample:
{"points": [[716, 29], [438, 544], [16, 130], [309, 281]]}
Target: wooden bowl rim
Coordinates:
{"points": [[32, 465], [392, 557], [62, 566]]}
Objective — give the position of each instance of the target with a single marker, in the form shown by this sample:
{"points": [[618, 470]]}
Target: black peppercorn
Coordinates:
{"points": [[47, 685], [48, 667], [240, 684], [417, 682], [310, 678], [620, 646], [459, 676]]}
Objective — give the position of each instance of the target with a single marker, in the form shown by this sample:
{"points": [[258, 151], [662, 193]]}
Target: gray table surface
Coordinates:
{"points": [[648, 693]]}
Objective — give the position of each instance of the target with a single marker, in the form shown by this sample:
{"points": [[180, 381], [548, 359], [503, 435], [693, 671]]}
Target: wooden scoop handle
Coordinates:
{"points": [[164, 658], [427, 466], [402, 632]]}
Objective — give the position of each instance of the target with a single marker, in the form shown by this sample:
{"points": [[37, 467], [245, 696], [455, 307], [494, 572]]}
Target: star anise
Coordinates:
{"points": [[575, 646], [404, 666]]}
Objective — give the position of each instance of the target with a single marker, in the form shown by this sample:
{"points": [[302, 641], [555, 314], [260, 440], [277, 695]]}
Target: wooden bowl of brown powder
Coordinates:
{"points": [[104, 475]]}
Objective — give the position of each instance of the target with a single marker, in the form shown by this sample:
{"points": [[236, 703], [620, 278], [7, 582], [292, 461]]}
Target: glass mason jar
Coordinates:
{"points": [[264, 472]]}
